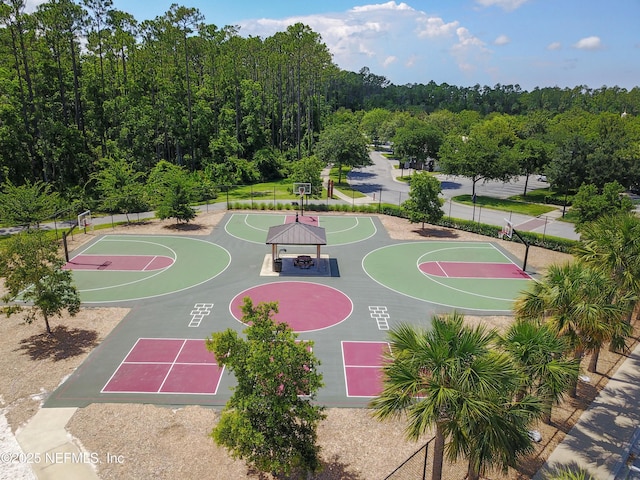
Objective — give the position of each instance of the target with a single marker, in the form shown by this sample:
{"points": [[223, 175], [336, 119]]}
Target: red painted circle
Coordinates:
{"points": [[303, 306]]}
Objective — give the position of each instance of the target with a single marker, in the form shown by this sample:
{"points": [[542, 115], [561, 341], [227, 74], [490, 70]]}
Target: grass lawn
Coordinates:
{"points": [[540, 195], [343, 187], [532, 209], [280, 190]]}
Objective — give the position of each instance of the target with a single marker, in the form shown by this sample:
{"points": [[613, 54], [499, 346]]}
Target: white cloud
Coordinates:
{"points": [[467, 41], [508, 5], [432, 27], [502, 40], [381, 6], [588, 43], [469, 50], [391, 59], [412, 61], [554, 46]]}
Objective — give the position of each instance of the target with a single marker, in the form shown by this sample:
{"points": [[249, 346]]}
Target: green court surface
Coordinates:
{"points": [[253, 227], [397, 268], [194, 262]]}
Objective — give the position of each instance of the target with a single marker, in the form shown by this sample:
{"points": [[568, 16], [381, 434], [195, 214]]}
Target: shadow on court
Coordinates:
{"points": [[433, 233], [335, 268], [61, 344]]}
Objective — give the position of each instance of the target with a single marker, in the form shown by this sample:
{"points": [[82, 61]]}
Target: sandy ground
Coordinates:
{"points": [[163, 443]]}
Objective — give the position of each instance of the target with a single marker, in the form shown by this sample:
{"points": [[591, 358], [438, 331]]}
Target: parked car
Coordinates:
{"points": [[542, 178]]}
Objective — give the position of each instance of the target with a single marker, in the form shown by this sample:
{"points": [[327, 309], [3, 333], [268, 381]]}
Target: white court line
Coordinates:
{"points": [[442, 269], [344, 365], [150, 262], [121, 363], [433, 301], [87, 248], [172, 365]]}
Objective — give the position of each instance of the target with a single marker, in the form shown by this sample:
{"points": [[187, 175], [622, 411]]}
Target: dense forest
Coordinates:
{"points": [[81, 82]]}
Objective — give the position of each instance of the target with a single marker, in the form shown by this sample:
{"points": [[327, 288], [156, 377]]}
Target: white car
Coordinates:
{"points": [[542, 178]]}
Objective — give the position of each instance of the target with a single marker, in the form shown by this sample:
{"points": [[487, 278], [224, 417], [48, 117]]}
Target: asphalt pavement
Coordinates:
{"points": [[379, 182]]}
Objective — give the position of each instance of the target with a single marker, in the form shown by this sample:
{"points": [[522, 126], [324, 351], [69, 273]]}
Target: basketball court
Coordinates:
{"points": [[181, 289]]}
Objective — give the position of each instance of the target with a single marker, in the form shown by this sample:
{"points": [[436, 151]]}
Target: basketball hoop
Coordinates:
{"points": [[301, 191], [507, 230], [84, 221]]}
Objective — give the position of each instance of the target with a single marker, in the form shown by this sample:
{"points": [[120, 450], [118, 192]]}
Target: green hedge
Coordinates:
{"points": [[536, 239]]}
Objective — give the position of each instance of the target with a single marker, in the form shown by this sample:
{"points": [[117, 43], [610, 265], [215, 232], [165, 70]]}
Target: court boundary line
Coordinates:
{"points": [[511, 260], [173, 260], [439, 266], [320, 218], [295, 281], [138, 392], [455, 289], [87, 247], [150, 262], [175, 291], [529, 277], [344, 365], [172, 365], [433, 302], [160, 271]]}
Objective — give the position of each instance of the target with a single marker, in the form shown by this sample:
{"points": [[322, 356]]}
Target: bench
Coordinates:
{"points": [[303, 261]]}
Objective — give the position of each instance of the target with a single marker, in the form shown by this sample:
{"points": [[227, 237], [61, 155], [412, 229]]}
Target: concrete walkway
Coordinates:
{"points": [[601, 440], [50, 449]]}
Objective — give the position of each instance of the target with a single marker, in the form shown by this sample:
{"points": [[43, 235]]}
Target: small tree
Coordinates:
{"points": [[423, 204], [485, 154], [343, 145], [27, 204], [176, 203], [589, 204], [121, 187], [32, 269], [171, 190], [270, 420], [308, 170]]}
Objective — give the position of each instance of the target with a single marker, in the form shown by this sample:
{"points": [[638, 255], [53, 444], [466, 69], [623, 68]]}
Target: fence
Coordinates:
{"points": [[419, 466]]}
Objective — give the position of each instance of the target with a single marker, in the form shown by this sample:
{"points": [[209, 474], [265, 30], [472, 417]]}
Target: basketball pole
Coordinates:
{"points": [[526, 249], [66, 247]]}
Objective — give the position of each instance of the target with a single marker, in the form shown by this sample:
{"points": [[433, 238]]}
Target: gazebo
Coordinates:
{"points": [[296, 233]]}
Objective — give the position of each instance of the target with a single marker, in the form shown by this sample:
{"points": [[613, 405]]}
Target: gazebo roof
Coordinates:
{"points": [[296, 233]]}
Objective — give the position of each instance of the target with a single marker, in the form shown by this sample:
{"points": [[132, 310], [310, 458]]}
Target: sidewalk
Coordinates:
{"points": [[49, 448], [601, 440]]}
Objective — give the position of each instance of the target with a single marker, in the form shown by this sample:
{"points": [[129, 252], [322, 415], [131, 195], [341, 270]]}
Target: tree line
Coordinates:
{"points": [[81, 82]]}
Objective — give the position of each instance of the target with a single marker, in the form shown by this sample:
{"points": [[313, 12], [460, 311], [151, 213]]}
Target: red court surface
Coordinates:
{"points": [[363, 367], [167, 365], [308, 219], [129, 263], [304, 306], [473, 270]]}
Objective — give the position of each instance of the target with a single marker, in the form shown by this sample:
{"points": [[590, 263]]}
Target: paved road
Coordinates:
{"points": [[379, 182]]}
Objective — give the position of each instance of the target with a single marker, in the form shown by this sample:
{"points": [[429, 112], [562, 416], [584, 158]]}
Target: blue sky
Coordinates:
{"points": [[542, 43]]}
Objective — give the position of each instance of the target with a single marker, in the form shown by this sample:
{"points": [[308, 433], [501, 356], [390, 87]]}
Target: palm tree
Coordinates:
{"points": [[452, 378], [612, 244], [539, 354], [576, 302]]}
